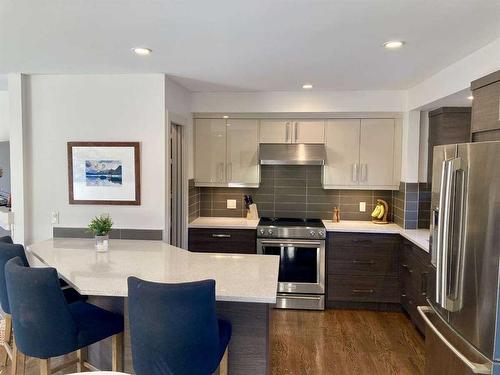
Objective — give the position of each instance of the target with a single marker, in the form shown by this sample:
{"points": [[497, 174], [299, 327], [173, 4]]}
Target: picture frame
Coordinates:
{"points": [[104, 173]]}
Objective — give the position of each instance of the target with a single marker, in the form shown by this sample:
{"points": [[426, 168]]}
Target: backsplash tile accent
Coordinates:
{"points": [[194, 194], [293, 191], [412, 204], [424, 205]]}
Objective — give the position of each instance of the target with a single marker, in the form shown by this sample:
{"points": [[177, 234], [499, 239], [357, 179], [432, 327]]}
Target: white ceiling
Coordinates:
{"points": [[246, 45]]}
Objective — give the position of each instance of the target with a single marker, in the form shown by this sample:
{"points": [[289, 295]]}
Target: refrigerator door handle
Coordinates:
{"points": [[476, 368], [443, 215]]}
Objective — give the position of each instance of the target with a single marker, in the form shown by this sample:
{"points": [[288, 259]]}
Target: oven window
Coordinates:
{"points": [[297, 264]]}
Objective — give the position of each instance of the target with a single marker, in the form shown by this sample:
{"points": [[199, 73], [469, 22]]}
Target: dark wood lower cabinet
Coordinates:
{"points": [[378, 272], [414, 268], [208, 240], [362, 270]]}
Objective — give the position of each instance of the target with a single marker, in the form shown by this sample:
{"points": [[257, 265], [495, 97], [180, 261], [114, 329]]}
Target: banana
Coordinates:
{"points": [[382, 212], [376, 211]]}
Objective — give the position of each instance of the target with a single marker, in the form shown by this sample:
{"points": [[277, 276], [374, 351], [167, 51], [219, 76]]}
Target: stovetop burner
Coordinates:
{"points": [[290, 228]]}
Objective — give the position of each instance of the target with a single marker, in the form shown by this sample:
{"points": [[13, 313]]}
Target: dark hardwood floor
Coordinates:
{"points": [[344, 342]]}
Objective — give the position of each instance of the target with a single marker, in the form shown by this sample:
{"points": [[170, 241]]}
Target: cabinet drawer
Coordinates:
{"points": [[363, 261], [363, 289], [409, 302], [223, 240], [364, 240]]}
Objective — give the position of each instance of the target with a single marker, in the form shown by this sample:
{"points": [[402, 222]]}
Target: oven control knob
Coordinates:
{"points": [[312, 233], [262, 231], [321, 232], [270, 232]]}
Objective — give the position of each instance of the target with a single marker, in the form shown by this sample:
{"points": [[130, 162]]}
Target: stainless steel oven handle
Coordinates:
{"points": [[288, 296], [288, 243], [476, 368]]}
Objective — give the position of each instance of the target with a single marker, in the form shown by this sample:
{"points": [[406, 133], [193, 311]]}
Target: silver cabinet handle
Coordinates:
{"points": [[296, 128], [354, 172], [364, 172], [287, 126], [229, 172], [476, 368], [214, 235]]}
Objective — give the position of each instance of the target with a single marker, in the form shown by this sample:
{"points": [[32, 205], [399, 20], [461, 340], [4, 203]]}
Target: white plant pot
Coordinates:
{"points": [[102, 243]]}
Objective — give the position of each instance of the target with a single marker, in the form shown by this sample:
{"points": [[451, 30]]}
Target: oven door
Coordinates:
{"points": [[302, 264]]}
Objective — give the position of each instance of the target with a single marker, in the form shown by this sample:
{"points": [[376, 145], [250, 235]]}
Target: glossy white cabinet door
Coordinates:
{"points": [[342, 153], [210, 151], [376, 155], [275, 131], [308, 131], [242, 152]]}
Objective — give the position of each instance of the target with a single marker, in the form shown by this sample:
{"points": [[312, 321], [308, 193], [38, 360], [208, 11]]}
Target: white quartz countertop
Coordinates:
{"points": [[239, 277], [419, 237], [224, 222]]}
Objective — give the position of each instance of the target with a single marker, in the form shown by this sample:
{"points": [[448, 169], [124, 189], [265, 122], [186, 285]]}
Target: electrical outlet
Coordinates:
{"points": [[54, 217], [362, 206], [231, 204]]}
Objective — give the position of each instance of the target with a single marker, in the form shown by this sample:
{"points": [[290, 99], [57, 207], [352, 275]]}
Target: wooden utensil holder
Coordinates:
{"points": [[386, 212]]}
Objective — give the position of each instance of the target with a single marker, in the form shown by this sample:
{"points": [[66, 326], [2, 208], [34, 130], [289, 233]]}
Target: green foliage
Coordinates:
{"points": [[101, 225]]}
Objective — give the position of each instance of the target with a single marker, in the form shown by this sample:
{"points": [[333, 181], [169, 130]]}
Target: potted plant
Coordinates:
{"points": [[101, 226]]}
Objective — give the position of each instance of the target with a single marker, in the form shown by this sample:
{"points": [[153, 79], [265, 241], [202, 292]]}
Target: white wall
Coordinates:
{"points": [[423, 146], [178, 106], [299, 101], [66, 108], [4, 115], [456, 77]]}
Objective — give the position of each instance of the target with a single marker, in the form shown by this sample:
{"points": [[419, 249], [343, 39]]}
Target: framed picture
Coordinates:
{"points": [[104, 173]]}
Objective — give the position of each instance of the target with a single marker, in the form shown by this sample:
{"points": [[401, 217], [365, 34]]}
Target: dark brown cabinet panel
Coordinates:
{"points": [[486, 104], [362, 268], [210, 240], [447, 125], [414, 274]]}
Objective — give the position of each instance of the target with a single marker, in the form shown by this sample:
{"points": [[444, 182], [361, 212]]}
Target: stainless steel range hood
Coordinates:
{"points": [[292, 154]]}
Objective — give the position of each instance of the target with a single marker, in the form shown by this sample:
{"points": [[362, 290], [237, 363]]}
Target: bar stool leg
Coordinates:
{"points": [[8, 336], [82, 357], [44, 366], [14, 359], [117, 352], [223, 364]]}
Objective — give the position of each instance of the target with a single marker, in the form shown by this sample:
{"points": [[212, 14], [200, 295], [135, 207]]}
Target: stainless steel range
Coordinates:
{"points": [[300, 243]]}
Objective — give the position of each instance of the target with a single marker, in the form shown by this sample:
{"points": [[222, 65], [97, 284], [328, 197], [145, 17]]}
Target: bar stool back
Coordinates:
{"points": [[174, 328], [46, 326]]}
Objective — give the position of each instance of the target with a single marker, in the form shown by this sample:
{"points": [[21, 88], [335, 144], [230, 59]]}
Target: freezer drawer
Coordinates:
{"points": [[446, 352]]}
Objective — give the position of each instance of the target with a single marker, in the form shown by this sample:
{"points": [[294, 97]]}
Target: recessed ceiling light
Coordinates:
{"points": [[470, 97], [142, 51], [307, 86], [394, 44], [225, 116]]}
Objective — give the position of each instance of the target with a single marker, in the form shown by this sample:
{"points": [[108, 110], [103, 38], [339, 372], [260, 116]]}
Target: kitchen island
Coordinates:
{"points": [[246, 286]]}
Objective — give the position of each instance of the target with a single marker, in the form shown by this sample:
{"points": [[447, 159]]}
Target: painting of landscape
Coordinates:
{"points": [[103, 172]]}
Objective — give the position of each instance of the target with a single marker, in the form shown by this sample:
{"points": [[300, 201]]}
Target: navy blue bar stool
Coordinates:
{"points": [[174, 328], [9, 250], [46, 326]]}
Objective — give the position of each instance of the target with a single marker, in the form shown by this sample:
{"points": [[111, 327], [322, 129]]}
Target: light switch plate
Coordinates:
{"points": [[54, 217], [231, 204], [362, 206]]}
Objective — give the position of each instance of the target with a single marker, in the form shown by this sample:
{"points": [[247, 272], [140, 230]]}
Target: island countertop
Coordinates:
{"points": [[239, 277]]}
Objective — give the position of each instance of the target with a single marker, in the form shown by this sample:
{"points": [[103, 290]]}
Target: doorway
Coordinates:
{"points": [[176, 185]]}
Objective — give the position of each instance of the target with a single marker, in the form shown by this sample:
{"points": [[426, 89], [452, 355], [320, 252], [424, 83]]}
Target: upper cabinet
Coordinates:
{"points": [[292, 131], [486, 108], [226, 152], [361, 154]]}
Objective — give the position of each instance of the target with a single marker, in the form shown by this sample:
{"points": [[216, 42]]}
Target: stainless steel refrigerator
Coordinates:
{"points": [[463, 316]]}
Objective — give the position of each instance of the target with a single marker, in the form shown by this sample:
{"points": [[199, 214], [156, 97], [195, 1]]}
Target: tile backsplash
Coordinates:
{"points": [[193, 201], [292, 191], [424, 205]]}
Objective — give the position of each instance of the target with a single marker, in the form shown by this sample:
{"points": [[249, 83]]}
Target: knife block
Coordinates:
{"points": [[252, 213]]}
